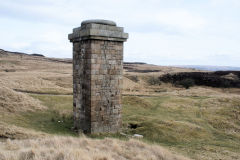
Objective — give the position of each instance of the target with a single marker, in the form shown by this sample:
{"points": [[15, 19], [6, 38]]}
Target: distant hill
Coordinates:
{"points": [[3, 52], [210, 68], [36, 56]]}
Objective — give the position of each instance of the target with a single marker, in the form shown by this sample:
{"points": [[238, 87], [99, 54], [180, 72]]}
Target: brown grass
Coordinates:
{"points": [[12, 101], [69, 148], [14, 132], [35, 74], [137, 101]]}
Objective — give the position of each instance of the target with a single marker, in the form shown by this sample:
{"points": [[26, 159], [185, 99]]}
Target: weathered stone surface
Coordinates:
{"points": [[100, 31], [97, 76], [99, 21]]}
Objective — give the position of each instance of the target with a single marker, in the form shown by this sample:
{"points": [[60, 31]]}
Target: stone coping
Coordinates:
{"points": [[99, 21], [98, 29]]}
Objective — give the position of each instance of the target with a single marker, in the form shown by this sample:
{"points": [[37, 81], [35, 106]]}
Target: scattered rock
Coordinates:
{"points": [[123, 134], [137, 136]]}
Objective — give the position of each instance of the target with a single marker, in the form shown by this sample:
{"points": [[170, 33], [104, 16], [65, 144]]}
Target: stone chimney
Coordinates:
{"points": [[97, 76]]}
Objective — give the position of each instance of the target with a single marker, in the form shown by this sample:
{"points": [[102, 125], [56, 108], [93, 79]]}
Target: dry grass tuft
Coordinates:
{"points": [[137, 101], [13, 132], [33, 82], [66, 148], [12, 101]]}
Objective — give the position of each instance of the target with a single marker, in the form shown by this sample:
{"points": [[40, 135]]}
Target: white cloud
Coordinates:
{"points": [[161, 32], [17, 45], [181, 19], [232, 3]]}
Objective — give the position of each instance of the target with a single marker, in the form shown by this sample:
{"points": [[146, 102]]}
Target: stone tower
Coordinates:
{"points": [[97, 75]]}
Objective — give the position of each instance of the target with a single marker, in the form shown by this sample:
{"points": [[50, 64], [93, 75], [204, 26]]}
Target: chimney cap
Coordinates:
{"points": [[99, 21]]}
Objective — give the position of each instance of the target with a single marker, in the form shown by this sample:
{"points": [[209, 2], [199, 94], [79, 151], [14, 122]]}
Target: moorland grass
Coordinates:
{"points": [[186, 124], [56, 119], [194, 126]]}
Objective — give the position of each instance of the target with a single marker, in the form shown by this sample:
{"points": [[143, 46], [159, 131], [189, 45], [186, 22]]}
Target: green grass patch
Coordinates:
{"points": [[57, 119], [58, 103], [183, 123]]}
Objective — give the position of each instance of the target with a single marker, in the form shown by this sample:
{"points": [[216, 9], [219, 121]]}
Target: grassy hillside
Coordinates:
{"points": [[36, 101]]}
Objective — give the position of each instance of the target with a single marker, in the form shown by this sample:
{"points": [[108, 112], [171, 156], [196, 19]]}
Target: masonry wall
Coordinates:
{"points": [[97, 84]]}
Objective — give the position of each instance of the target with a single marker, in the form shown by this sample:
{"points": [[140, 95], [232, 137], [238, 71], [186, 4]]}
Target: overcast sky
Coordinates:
{"points": [[163, 32]]}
